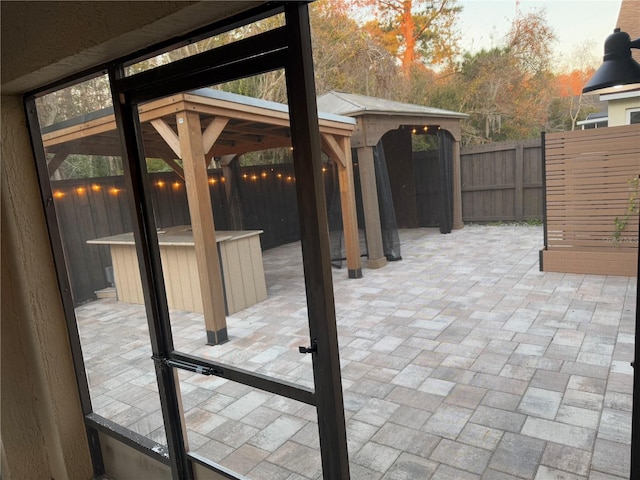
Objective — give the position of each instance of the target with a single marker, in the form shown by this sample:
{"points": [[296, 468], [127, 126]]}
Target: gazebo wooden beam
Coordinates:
{"points": [[171, 138], [212, 132], [332, 149], [202, 225], [220, 150], [57, 160], [168, 135], [174, 166]]}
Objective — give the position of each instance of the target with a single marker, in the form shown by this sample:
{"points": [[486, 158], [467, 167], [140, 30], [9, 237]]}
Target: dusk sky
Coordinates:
{"points": [[576, 23]]}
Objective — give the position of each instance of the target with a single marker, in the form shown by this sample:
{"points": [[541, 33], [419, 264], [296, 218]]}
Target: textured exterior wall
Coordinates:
{"points": [[43, 432], [618, 110]]}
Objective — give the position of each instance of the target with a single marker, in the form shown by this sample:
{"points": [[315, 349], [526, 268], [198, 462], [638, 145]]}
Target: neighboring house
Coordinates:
{"points": [[594, 120], [624, 106]]}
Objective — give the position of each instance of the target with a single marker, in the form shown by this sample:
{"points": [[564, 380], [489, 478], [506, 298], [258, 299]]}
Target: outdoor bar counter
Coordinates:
{"points": [[240, 259]]}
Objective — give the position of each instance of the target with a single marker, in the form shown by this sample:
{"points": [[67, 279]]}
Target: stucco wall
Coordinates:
{"points": [[618, 110], [42, 427]]}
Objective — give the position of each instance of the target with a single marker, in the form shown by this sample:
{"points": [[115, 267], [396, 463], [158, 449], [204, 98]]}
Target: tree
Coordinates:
{"points": [[79, 99], [530, 41], [506, 89], [415, 31], [571, 105], [348, 58]]}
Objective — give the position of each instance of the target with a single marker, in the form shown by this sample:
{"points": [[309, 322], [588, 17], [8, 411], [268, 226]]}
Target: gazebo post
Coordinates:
{"points": [[349, 215], [202, 226], [340, 150], [370, 206]]}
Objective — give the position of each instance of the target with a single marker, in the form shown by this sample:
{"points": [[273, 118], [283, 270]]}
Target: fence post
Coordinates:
{"points": [[519, 182], [543, 159]]}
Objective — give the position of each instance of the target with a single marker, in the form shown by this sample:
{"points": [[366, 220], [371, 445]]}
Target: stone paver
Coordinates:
{"points": [[462, 361], [567, 459], [517, 455]]}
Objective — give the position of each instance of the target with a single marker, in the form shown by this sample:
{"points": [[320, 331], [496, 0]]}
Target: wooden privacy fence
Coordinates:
{"points": [[91, 208], [502, 182], [592, 201]]}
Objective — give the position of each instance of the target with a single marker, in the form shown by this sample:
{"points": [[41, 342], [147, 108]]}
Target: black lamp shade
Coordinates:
{"points": [[618, 67]]}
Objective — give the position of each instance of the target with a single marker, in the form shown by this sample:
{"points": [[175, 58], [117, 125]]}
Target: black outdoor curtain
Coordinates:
{"points": [[445, 167], [334, 215], [388, 223]]}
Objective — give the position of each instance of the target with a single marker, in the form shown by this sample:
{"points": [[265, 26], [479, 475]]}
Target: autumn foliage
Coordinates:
{"points": [[408, 50], [571, 83]]}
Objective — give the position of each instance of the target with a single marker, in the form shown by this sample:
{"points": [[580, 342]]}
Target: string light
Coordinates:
{"points": [[212, 181], [426, 128], [279, 175], [114, 190], [244, 175], [222, 179], [95, 187], [413, 131], [81, 190], [264, 174], [254, 177], [58, 194], [324, 169], [160, 183], [176, 185]]}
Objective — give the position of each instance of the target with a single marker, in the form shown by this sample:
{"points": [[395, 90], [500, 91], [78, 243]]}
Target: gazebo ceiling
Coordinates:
{"points": [[252, 125]]}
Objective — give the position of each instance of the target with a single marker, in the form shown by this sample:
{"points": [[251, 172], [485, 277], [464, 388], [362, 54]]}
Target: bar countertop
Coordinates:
{"points": [[180, 235]]}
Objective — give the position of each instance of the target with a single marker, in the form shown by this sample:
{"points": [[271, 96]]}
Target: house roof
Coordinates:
{"points": [[353, 105], [597, 116], [629, 21]]}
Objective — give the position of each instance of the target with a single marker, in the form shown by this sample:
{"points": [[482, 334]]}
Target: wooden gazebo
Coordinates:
{"points": [[195, 127], [376, 117]]}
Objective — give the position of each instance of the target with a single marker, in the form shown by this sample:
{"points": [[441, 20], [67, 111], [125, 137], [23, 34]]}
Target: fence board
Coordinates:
{"points": [[97, 207], [589, 186], [502, 181]]}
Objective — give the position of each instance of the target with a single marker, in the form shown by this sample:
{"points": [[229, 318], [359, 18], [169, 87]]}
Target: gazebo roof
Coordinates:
{"points": [[353, 105], [253, 124]]}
